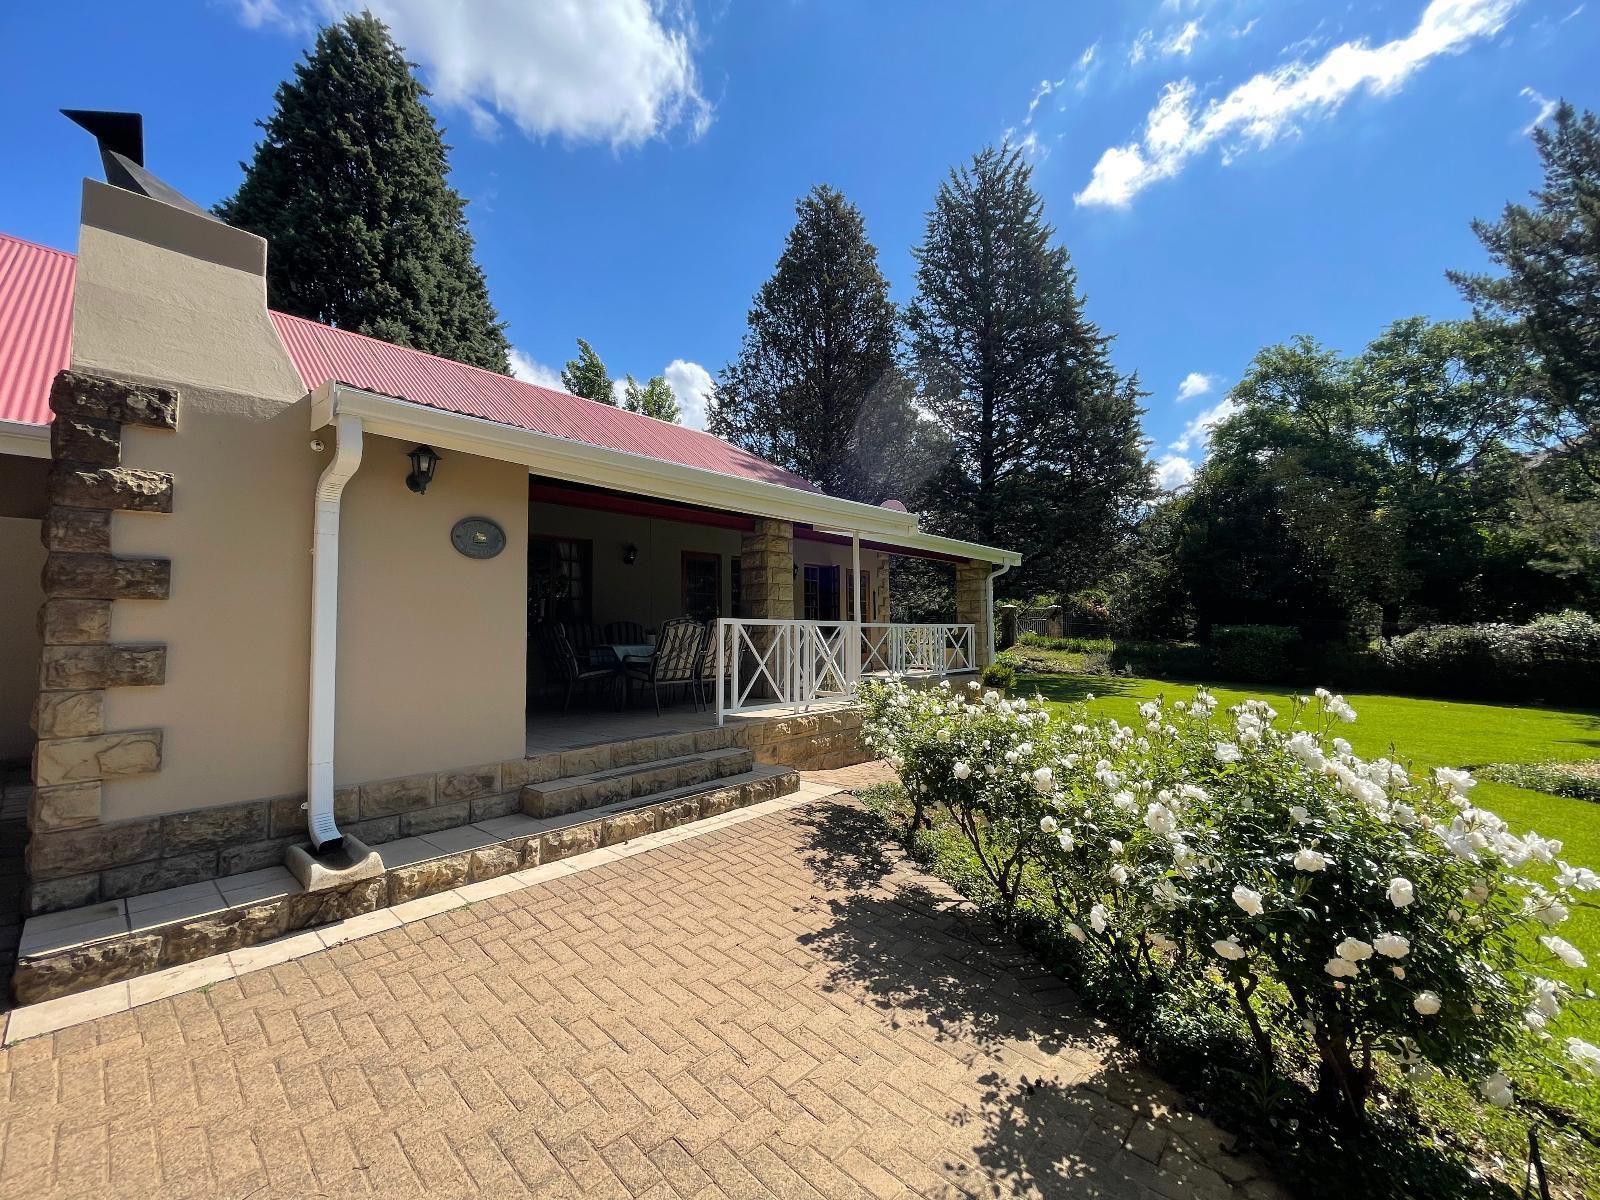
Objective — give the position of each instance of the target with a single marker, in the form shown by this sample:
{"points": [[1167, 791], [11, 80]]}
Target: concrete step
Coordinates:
{"points": [[596, 789]]}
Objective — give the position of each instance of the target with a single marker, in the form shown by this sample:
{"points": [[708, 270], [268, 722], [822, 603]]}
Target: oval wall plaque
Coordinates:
{"points": [[478, 537]]}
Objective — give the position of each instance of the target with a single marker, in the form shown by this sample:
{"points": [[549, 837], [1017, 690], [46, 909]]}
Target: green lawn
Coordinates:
{"points": [[1430, 733]]}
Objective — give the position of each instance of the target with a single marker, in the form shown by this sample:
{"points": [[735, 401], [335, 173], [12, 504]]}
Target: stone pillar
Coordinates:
{"points": [[1007, 616], [972, 608], [880, 588], [766, 570], [766, 573], [75, 752]]}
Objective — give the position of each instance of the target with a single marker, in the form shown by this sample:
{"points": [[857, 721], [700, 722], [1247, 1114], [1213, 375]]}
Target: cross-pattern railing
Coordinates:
{"points": [[764, 664]]}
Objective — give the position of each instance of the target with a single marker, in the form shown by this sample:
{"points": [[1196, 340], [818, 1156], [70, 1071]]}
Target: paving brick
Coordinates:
{"points": [[772, 1009]]}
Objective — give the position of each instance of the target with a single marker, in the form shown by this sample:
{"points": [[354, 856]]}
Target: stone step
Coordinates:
{"points": [[596, 789], [119, 940]]}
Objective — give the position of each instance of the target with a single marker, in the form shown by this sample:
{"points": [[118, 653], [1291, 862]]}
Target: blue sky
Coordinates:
{"points": [[1226, 173]]}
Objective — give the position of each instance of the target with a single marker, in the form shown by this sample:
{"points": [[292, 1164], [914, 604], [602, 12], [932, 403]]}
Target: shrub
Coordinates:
{"points": [[1351, 911], [1000, 674], [1255, 653], [1555, 657], [1580, 781]]}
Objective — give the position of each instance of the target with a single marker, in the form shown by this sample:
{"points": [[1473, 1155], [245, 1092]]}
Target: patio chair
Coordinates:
{"points": [[579, 674], [675, 661], [627, 633], [705, 671]]}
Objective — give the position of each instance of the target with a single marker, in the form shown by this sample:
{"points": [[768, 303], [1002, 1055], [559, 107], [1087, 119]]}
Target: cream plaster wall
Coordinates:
{"points": [[431, 643], [20, 598]]}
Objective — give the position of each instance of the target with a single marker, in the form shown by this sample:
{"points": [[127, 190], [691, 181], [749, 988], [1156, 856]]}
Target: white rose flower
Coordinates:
{"points": [[1497, 1090], [1341, 968], [1066, 840], [1119, 874], [943, 735], [1353, 950], [1048, 825], [1227, 752], [1401, 893], [1097, 918], [1458, 783], [1247, 899], [1391, 945], [1398, 972], [1299, 814], [1426, 1003], [1565, 951], [1547, 996], [1229, 949], [1043, 779], [1584, 1054], [1077, 932], [961, 770], [1309, 860], [1158, 819]]}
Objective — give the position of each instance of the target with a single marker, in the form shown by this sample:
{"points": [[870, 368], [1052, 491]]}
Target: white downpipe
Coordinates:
{"points": [[988, 600], [325, 833]]}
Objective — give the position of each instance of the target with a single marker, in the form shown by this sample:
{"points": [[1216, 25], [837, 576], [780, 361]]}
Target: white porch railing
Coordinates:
{"points": [[763, 664]]}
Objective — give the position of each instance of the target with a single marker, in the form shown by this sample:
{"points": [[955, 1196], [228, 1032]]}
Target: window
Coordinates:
{"points": [[702, 584], [560, 579], [821, 592]]}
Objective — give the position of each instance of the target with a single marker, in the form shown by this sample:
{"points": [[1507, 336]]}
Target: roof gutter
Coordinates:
{"points": [[325, 835], [25, 439], [581, 462]]}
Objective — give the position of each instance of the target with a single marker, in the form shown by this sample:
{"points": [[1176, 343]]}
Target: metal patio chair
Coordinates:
{"points": [[675, 661]]}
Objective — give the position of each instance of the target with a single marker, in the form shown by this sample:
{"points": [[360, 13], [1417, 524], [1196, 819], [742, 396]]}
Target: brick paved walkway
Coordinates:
{"points": [[760, 1011]]}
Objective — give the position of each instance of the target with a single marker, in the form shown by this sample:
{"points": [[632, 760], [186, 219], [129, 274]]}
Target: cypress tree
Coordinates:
{"points": [[1048, 454], [815, 387], [586, 376], [348, 185]]}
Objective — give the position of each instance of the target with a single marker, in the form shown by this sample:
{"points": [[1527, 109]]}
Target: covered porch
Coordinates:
{"points": [[660, 612]]}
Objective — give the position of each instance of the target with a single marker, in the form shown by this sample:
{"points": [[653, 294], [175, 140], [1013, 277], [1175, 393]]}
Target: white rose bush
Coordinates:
{"points": [[1350, 909]]}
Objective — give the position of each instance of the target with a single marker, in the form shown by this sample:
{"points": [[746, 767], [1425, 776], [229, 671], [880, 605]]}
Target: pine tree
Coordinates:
{"points": [[586, 376], [815, 387], [654, 399], [1048, 456], [348, 187]]}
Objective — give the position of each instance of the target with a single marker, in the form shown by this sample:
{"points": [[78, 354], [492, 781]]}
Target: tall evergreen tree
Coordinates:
{"points": [[586, 376], [1048, 455], [815, 387], [1550, 256], [653, 399], [348, 186]]}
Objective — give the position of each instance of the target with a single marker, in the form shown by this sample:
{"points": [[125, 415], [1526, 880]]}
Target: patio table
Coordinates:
{"points": [[637, 650]]}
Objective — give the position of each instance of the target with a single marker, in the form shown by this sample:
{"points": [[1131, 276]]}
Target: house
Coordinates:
{"points": [[284, 584]]}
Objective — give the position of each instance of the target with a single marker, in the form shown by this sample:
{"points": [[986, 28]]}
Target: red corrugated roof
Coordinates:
{"points": [[321, 352], [36, 340], [35, 326]]}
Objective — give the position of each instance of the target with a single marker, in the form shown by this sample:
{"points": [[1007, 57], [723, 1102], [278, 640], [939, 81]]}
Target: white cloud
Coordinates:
{"points": [[1244, 30], [1268, 106], [1194, 384], [1173, 471], [691, 384], [1196, 436], [530, 371], [615, 71], [1181, 42], [1178, 43], [1547, 109]]}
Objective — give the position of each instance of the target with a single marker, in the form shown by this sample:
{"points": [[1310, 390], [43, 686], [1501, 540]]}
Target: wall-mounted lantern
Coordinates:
{"points": [[424, 459], [630, 554]]}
